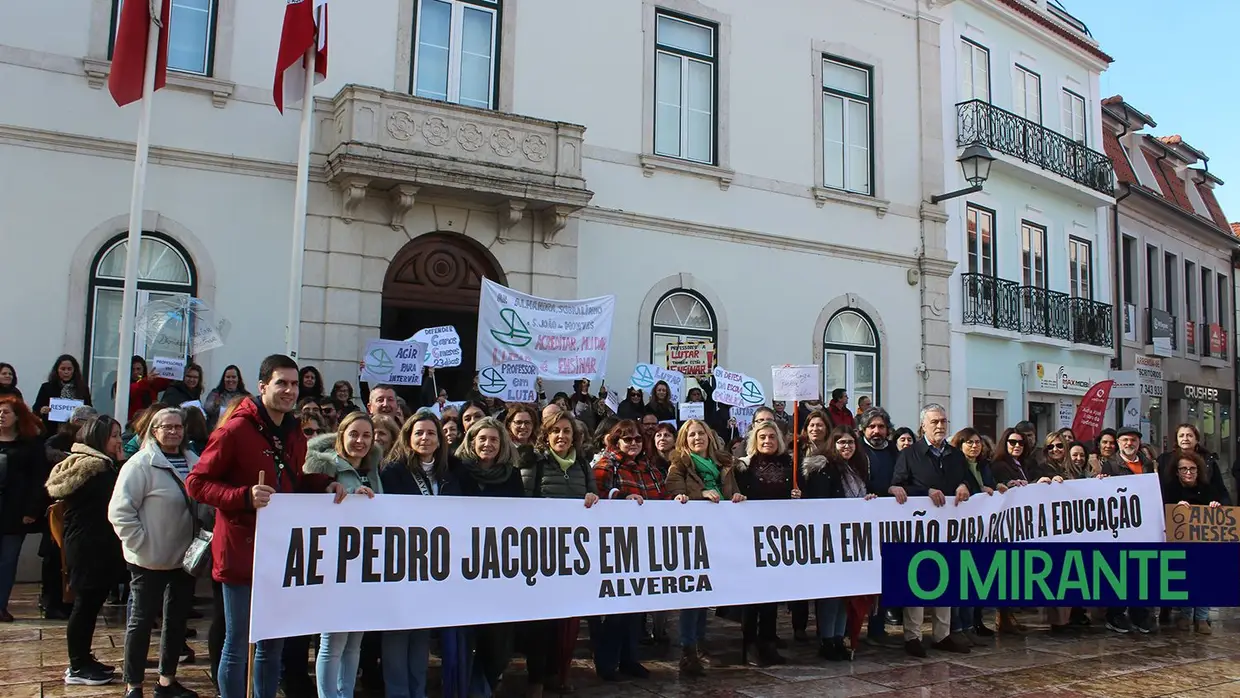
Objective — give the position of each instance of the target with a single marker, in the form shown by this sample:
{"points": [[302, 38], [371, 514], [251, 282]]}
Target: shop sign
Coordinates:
{"points": [[1061, 380], [1203, 393], [1149, 375], [1162, 325]]}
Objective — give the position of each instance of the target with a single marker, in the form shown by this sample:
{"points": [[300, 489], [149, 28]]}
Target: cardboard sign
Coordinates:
{"points": [[693, 359], [444, 345], [393, 362], [168, 367], [737, 389], [743, 417], [1199, 524], [692, 410], [62, 409], [795, 383], [513, 381], [645, 376], [613, 401]]}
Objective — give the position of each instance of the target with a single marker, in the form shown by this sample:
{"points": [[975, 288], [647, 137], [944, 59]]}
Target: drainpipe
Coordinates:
{"points": [[1117, 249]]}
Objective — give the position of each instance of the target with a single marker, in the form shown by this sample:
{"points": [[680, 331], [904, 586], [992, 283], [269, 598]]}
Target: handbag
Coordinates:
{"points": [[197, 559]]}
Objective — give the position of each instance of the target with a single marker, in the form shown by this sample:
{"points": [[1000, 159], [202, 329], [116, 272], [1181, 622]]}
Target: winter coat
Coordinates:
{"points": [[683, 478], [1211, 459], [918, 470], [1116, 466], [760, 477], [983, 469], [23, 469], [462, 484], [1006, 470], [149, 510], [322, 459], [821, 479], [664, 411], [543, 477], [84, 481], [144, 393], [1174, 492], [399, 478], [882, 466], [841, 416], [630, 410], [177, 394], [229, 466]]}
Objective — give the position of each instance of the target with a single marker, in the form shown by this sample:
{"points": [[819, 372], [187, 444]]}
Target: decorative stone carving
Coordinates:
{"points": [[436, 131], [554, 219], [503, 142], [401, 125], [510, 213], [401, 199], [353, 192], [470, 136], [535, 147]]}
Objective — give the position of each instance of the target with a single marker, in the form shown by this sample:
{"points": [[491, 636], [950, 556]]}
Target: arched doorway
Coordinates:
{"points": [[435, 280]]}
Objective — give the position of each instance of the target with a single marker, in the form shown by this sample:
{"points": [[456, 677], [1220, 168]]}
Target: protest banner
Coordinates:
{"points": [[645, 376], [565, 339], [193, 404], [795, 383], [512, 381], [743, 417], [1089, 414], [613, 401], [393, 362], [61, 409], [509, 560], [692, 359], [443, 344], [168, 367], [1201, 524], [692, 410], [737, 389]]}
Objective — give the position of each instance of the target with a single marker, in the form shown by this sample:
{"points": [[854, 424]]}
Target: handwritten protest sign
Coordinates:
{"points": [[795, 383], [444, 345], [645, 376], [61, 410], [1201, 524], [512, 381], [737, 389], [692, 359], [393, 362], [564, 339], [743, 417], [692, 410], [168, 367], [613, 401]]}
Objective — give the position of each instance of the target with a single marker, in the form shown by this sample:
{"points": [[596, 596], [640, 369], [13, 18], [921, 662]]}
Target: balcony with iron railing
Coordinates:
{"points": [[981, 122], [990, 301]]}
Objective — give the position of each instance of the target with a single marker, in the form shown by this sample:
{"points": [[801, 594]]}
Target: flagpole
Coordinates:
{"points": [[133, 245], [292, 331]]}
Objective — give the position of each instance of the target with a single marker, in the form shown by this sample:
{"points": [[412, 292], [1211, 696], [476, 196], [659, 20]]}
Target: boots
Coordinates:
{"points": [[1009, 625], [844, 653], [690, 662], [768, 654]]}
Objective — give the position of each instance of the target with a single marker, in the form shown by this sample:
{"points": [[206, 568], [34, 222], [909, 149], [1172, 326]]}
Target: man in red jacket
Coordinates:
{"points": [[838, 410], [260, 437]]}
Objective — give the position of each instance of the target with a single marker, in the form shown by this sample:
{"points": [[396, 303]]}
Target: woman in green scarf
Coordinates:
{"points": [[699, 470]]}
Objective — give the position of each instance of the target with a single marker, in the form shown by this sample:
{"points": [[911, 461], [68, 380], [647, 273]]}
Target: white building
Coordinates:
{"points": [[1031, 302], [748, 173]]}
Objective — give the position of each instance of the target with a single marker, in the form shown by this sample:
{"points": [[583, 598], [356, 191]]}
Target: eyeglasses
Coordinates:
{"points": [[312, 432], [171, 427], [973, 442], [1192, 469], [845, 442], [1055, 447]]}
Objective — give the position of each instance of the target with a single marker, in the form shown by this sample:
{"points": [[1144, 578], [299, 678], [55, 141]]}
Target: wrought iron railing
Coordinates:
{"points": [[1044, 312], [991, 301], [1092, 322], [978, 121]]}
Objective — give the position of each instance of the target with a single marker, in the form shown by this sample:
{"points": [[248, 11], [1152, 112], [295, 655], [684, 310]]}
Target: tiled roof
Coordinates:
{"points": [[1072, 36], [1171, 140], [1216, 211], [1235, 229], [1123, 169], [1115, 99], [1172, 184]]}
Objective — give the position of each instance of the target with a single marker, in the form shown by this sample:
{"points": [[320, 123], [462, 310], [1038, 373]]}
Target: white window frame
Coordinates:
{"points": [[969, 53], [208, 55], [1080, 275], [975, 249], [1020, 93], [687, 58], [1033, 260], [1194, 196], [847, 99], [1071, 102], [455, 29], [851, 352]]}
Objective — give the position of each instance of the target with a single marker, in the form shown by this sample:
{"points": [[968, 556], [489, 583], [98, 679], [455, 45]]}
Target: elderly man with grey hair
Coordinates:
{"points": [[931, 468]]}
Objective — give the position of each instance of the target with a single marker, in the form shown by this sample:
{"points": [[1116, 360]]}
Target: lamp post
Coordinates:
{"points": [[975, 164]]}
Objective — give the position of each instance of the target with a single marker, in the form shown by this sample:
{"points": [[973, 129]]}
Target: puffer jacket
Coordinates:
{"points": [[543, 477], [322, 459], [819, 481], [84, 481], [149, 511], [683, 478]]}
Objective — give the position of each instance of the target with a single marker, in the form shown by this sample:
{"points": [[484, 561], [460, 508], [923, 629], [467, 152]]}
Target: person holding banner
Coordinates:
{"points": [[64, 381], [1193, 483], [968, 620], [699, 470], [144, 388], [817, 425]]}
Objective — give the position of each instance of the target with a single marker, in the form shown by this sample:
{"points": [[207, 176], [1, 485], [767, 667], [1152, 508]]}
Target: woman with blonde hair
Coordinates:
{"points": [[387, 432]]}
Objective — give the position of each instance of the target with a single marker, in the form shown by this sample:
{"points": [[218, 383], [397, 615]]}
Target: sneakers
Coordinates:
{"points": [[105, 668], [1119, 624], [1147, 626], [173, 690], [87, 676]]}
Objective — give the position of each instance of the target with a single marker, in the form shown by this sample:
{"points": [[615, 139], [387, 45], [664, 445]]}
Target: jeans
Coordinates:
{"points": [[405, 657], [616, 645], [335, 670], [1198, 613], [81, 627], [832, 617], [10, 550], [215, 635], [692, 626], [235, 654], [148, 591], [966, 618]]}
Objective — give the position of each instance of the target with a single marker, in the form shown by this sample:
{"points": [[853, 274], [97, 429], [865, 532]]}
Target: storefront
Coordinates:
{"points": [[1206, 407], [1139, 394], [1053, 391]]}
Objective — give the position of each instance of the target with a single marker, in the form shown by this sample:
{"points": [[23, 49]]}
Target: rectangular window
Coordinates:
{"points": [[981, 229], [1130, 270], [1027, 95], [1170, 265], [1033, 254], [1221, 279], [974, 71], [1190, 273], [846, 126], [684, 87], [454, 51], [191, 39], [1207, 297], [1080, 268], [1151, 277], [1073, 116]]}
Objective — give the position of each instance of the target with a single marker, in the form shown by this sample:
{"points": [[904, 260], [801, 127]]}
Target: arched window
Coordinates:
{"points": [[850, 357], [165, 272], [681, 316]]}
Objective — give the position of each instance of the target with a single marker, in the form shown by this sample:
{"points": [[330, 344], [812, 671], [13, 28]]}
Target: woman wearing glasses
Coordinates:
{"points": [[969, 619], [1056, 458], [1191, 483]]}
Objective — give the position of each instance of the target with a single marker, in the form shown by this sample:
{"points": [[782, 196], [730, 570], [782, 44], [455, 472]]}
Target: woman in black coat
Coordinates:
{"points": [[23, 467], [63, 381]]}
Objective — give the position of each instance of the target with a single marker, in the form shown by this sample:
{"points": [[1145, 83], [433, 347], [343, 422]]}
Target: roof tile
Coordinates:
{"points": [[1114, 99], [1235, 229], [1123, 168], [1216, 211]]}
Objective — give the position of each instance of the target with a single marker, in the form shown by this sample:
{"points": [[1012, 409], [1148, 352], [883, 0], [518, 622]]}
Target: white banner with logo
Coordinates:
{"points": [[565, 339], [513, 381], [737, 389], [444, 562], [392, 362], [646, 376]]}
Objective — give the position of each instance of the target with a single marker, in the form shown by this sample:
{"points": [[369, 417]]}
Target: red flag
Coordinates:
{"points": [[129, 51], [1089, 414], [304, 21]]}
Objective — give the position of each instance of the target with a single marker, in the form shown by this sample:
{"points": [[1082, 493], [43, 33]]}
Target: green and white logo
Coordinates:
{"points": [[379, 362], [490, 382], [751, 393], [517, 335]]}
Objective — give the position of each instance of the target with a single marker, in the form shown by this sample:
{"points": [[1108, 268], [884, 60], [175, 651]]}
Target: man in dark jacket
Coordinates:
{"points": [[1129, 460], [875, 426], [931, 467], [260, 439]]}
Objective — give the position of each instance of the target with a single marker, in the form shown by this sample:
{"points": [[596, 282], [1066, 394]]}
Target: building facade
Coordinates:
{"points": [[1031, 309], [1176, 256], [753, 178]]}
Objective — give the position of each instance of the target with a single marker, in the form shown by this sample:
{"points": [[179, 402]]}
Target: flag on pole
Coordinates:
{"points": [[129, 51], [305, 26]]}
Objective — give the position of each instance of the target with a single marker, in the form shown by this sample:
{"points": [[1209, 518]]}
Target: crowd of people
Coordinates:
{"points": [[121, 505]]}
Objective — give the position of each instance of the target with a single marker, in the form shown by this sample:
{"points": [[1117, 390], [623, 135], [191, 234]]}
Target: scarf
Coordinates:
{"points": [[68, 391], [707, 470], [566, 462], [497, 474], [977, 471]]}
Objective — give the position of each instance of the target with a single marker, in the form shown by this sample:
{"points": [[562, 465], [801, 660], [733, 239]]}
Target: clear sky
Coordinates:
{"points": [[1179, 62]]}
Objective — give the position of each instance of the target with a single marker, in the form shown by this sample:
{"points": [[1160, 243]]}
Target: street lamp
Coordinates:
{"points": [[975, 164]]}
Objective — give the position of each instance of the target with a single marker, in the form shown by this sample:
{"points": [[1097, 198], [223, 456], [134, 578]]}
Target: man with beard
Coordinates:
{"points": [[1129, 460], [875, 426]]}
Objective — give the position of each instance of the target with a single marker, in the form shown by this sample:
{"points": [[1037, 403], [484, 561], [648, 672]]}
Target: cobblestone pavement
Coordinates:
{"points": [[1095, 663]]}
